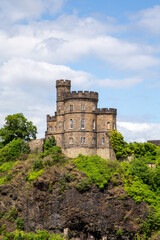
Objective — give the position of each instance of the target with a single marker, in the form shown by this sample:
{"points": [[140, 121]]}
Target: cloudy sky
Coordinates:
{"points": [[109, 46]]}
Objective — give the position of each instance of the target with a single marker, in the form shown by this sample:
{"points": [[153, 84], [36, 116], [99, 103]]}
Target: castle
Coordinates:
{"points": [[78, 125]]}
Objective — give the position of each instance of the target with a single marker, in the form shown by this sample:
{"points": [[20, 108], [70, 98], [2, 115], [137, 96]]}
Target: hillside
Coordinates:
{"points": [[89, 196]]}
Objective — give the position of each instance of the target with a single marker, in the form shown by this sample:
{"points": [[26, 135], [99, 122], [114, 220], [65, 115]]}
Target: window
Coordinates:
{"points": [[70, 140], [55, 129], [71, 124], [82, 123], [83, 140], [93, 140], [94, 124], [59, 110], [82, 107], [71, 108], [114, 126], [108, 125], [103, 141], [50, 129]]}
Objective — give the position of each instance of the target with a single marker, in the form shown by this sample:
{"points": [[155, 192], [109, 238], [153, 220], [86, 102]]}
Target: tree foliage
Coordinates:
{"points": [[13, 150], [123, 149], [119, 145], [17, 126], [49, 143]]}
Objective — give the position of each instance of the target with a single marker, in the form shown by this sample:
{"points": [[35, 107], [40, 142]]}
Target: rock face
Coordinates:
{"points": [[55, 205]]}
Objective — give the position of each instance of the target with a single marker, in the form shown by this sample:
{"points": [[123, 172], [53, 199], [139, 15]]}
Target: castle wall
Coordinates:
{"points": [[74, 152]]}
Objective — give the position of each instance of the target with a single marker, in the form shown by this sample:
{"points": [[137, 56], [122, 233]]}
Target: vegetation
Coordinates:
{"points": [[96, 169], [123, 149], [17, 126], [39, 235], [141, 182], [49, 143], [13, 150]]}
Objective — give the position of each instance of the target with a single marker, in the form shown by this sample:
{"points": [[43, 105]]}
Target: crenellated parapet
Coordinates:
{"points": [[63, 83], [51, 118], [106, 111], [82, 95]]}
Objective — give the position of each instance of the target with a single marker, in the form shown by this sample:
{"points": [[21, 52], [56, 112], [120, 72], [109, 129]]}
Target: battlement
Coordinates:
{"points": [[82, 95], [63, 83], [106, 111], [51, 118]]}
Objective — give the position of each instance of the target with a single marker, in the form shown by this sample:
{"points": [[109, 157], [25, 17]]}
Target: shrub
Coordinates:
{"points": [[12, 214], [19, 223], [96, 169], [13, 150], [38, 165], [7, 166], [83, 185], [49, 143], [33, 175]]}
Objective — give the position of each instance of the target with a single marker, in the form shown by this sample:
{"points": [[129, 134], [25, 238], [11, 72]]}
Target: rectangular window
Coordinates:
{"points": [[71, 108], [93, 140], [82, 107], [83, 140], [83, 123]]}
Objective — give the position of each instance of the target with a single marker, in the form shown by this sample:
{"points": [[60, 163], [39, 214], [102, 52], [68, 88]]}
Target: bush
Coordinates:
{"points": [[83, 185], [12, 214], [38, 165], [33, 175], [13, 150], [97, 169], [49, 143], [7, 166], [19, 223], [39, 235]]}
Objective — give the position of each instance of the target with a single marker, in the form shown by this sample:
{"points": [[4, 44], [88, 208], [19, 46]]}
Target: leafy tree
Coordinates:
{"points": [[17, 126], [119, 145], [49, 143]]}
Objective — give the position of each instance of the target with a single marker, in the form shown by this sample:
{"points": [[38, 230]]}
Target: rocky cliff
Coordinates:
{"points": [[53, 202]]}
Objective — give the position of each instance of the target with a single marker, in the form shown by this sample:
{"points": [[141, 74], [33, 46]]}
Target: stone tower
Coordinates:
{"points": [[78, 125]]}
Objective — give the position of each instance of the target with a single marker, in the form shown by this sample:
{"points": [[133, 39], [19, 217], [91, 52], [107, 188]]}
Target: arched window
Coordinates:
{"points": [[71, 124], [55, 129], [103, 141], [70, 140], [50, 129], [108, 125], [94, 124], [82, 123]]}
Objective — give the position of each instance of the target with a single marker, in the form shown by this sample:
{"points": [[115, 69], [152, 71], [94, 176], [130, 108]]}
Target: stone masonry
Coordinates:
{"points": [[78, 125]]}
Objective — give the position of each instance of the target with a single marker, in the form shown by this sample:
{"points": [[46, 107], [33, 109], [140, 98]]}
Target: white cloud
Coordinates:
{"points": [[120, 83], [139, 131], [148, 19], [15, 10]]}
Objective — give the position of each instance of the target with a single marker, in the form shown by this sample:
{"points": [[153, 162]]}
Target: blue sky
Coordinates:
{"points": [[112, 47]]}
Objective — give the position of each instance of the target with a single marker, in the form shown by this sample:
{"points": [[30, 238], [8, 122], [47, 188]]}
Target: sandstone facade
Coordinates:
{"points": [[78, 125]]}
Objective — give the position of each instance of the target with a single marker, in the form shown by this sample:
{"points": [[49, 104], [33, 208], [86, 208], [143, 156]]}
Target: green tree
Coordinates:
{"points": [[119, 145], [49, 143], [17, 126]]}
